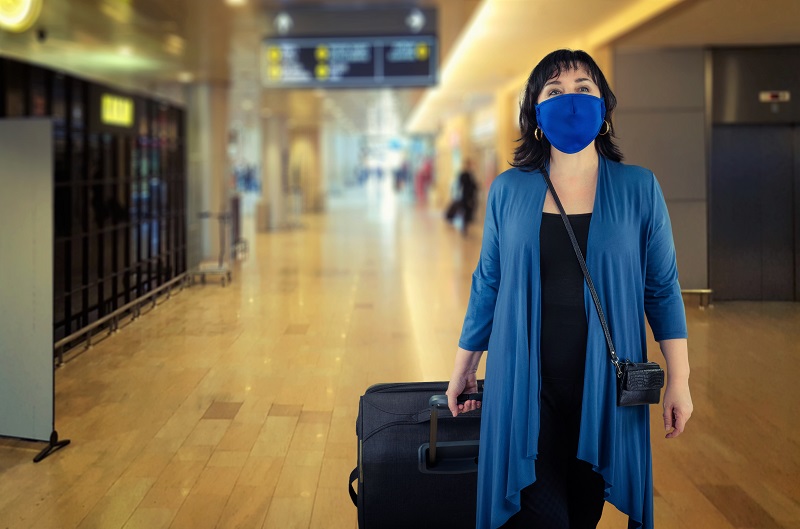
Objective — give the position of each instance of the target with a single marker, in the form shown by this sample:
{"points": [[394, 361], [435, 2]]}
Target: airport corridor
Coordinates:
{"points": [[235, 407]]}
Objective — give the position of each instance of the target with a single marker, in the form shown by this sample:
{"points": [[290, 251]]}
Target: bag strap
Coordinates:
{"points": [[611, 350]]}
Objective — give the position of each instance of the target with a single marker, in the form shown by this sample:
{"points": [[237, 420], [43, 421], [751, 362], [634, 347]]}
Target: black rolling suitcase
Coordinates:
{"points": [[417, 464]]}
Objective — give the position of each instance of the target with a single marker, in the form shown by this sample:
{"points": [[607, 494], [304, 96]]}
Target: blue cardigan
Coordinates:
{"points": [[631, 257]]}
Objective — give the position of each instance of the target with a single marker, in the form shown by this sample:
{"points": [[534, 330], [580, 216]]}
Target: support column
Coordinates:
{"points": [[305, 175], [273, 212], [207, 161]]}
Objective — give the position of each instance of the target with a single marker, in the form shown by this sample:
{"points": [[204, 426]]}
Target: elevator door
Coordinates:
{"points": [[754, 180]]}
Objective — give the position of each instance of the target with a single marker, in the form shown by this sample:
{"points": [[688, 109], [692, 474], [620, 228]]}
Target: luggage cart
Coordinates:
{"points": [[220, 267], [239, 249]]}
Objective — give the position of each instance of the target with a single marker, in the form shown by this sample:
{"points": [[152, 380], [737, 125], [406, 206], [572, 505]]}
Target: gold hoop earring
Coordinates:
{"points": [[608, 128], [539, 136]]}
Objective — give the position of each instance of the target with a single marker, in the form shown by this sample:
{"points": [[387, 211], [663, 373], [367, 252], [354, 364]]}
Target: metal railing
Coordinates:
{"points": [[704, 293], [134, 309]]}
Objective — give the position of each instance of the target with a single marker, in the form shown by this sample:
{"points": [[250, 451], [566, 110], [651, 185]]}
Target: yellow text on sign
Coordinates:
{"points": [[117, 111], [422, 51]]}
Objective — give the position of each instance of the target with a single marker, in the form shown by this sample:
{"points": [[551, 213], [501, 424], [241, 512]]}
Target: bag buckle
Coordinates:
{"points": [[619, 368]]}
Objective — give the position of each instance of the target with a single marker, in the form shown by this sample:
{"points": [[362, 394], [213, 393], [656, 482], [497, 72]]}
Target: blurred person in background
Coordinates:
{"points": [[400, 176], [464, 198], [554, 444], [422, 180]]}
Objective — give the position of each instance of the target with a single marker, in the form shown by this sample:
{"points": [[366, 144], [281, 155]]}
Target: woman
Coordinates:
{"points": [[554, 444]]}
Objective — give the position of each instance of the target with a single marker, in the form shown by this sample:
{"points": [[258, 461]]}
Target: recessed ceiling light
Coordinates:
{"points": [[236, 2], [186, 77], [20, 15], [283, 23]]}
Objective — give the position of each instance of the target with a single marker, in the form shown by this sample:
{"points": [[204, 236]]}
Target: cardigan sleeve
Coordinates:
{"points": [[663, 303], [485, 281]]}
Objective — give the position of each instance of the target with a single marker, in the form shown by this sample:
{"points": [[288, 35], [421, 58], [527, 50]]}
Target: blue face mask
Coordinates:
{"points": [[570, 122]]}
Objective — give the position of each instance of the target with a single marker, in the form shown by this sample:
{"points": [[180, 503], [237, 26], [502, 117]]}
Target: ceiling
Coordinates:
{"points": [[152, 39], [720, 23], [156, 45], [506, 38], [128, 42]]}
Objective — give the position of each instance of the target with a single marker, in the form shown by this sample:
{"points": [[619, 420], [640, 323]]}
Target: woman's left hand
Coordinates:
{"points": [[678, 407]]}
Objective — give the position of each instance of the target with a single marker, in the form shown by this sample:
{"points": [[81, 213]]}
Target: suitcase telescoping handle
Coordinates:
{"points": [[436, 403]]}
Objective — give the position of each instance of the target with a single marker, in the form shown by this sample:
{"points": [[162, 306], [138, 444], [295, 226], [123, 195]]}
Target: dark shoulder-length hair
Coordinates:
{"points": [[532, 154]]}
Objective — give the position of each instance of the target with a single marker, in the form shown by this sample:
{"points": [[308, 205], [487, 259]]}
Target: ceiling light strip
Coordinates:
{"points": [[417, 121], [627, 20]]}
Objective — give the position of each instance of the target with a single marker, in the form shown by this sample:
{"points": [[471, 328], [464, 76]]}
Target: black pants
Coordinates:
{"points": [[567, 493]]}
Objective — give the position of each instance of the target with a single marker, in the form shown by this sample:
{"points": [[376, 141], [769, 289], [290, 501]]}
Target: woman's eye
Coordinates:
{"points": [[584, 89], [553, 93]]}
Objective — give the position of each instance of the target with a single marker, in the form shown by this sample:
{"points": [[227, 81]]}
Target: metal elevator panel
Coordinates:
{"points": [[752, 212], [796, 160], [758, 85]]}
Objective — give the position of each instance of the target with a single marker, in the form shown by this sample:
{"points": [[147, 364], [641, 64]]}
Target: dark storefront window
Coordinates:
{"points": [[118, 196]]}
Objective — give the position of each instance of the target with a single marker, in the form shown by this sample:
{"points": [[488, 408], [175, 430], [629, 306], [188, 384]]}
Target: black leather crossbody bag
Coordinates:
{"points": [[637, 382]]}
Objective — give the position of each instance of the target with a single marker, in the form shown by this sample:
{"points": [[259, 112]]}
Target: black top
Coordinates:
{"points": [[564, 326]]}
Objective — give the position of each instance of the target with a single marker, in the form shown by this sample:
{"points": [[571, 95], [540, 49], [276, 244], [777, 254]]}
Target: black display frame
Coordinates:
{"points": [[97, 169], [378, 78]]}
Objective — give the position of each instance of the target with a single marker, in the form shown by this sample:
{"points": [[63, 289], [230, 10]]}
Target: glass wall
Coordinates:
{"points": [[120, 189]]}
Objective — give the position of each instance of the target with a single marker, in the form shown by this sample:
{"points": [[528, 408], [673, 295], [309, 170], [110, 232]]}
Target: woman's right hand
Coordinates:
{"points": [[462, 383], [464, 380]]}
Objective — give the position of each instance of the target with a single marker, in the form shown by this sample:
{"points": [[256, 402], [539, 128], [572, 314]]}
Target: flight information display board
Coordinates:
{"points": [[363, 62]]}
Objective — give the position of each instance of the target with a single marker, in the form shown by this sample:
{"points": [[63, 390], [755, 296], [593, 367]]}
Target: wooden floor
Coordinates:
{"points": [[235, 407]]}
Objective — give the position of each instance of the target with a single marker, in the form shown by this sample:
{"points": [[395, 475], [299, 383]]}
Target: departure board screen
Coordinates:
{"points": [[363, 62]]}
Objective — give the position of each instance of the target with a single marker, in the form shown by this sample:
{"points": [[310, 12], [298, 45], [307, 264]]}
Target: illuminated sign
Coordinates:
{"points": [[19, 15], [350, 62], [116, 111], [775, 96]]}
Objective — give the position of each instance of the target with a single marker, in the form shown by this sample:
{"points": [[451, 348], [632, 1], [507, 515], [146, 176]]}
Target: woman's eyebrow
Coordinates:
{"points": [[583, 79], [554, 81]]}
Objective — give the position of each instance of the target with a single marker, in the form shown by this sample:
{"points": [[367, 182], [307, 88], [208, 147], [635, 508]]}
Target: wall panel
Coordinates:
{"points": [[26, 281], [660, 123]]}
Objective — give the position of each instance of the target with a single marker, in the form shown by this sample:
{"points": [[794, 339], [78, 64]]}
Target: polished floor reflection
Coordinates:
{"points": [[235, 407]]}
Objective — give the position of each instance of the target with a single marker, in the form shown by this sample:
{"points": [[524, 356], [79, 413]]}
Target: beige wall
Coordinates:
{"points": [[604, 57], [305, 175], [660, 124], [507, 104]]}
